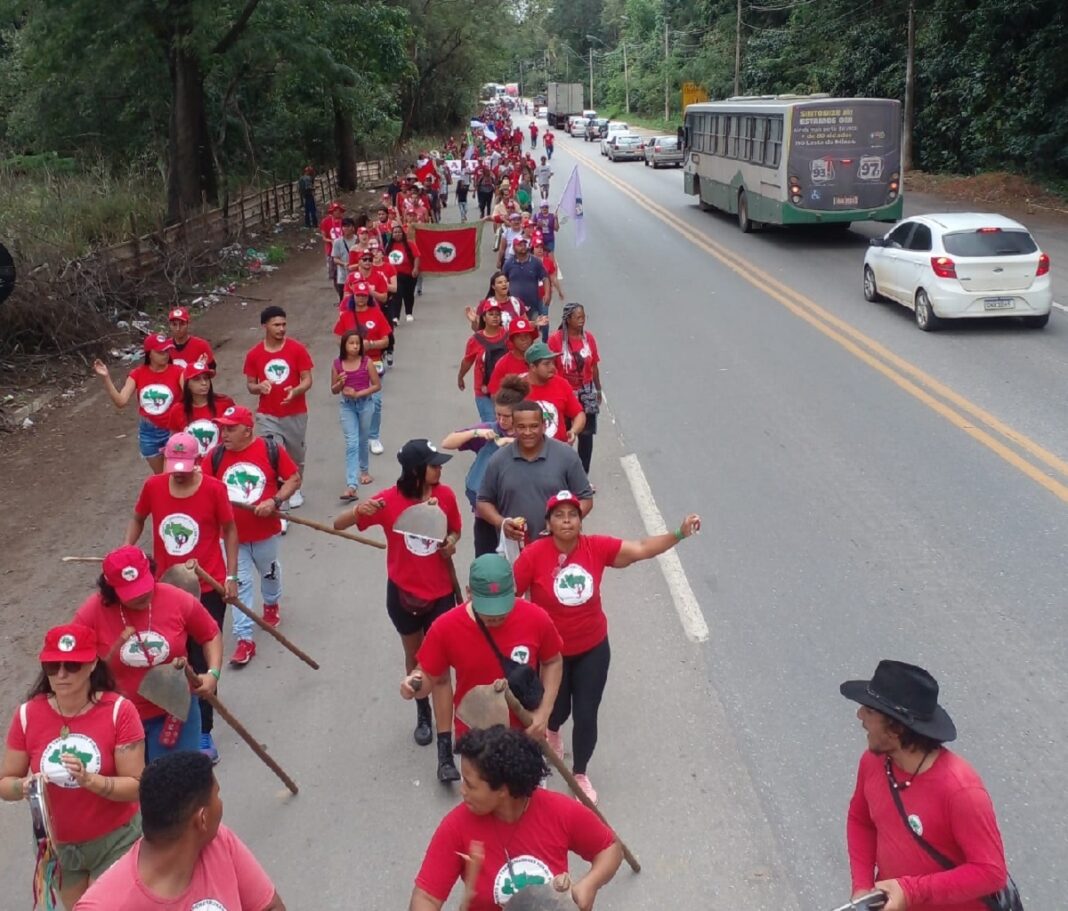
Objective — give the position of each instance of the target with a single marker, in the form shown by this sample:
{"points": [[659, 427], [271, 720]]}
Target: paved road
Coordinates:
{"points": [[847, 519]]}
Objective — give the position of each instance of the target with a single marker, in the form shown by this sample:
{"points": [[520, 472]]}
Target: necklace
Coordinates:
{"points": [[64, 729], [903, 785]]}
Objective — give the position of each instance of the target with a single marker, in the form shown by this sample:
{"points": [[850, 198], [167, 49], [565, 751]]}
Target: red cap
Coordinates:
{"points": [[335, 206], [179, 313], [489, 303], [361, 230], [361, 289], [157, 342], [180, 453], [561, 498], [519, 240], [235, 416], [69, 642], [127, 571], [199, 368], [521, 327]]}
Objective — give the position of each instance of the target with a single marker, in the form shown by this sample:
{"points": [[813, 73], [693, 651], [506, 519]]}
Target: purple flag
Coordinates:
{"points": [[571, 204]]}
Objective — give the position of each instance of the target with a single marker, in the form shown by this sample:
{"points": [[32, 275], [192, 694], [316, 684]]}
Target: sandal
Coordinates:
{"points": [[349, 495], [366, 479]]}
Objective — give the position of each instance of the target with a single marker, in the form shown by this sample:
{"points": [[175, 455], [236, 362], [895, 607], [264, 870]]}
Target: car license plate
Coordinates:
{"points": [[998, 303]]}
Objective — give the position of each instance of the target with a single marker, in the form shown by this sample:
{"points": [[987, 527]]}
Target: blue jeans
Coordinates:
{"points": [[484, 404], [549, 152], [539, 309], [356, 416], [261, 556], [150, 438], [311, 217], [188, 739], [376, 419]]}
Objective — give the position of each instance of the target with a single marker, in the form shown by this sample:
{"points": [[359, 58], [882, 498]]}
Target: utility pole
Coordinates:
{"points": [[626, 74], [738, 51], [910, 91], [591, 75], [520, 78], [667, 110]]}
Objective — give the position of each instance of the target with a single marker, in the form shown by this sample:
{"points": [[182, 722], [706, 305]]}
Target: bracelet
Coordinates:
{"points": [[679, 535], [215, 672]]}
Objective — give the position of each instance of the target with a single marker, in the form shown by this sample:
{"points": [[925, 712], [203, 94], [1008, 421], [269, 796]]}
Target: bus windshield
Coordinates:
{"points": [[844, 155]]}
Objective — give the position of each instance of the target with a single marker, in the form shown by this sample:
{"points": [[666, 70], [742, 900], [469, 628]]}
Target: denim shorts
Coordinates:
{"points": [[151, 438]]}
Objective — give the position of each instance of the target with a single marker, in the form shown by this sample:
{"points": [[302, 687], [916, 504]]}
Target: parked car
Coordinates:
{"points": [[625, 147], [662, 150], [576, 124], [611, 128], [543, 112], [960, 264], [595, 128]]}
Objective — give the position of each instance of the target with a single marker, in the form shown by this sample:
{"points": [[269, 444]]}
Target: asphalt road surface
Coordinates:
{"points": [[868, 491]]}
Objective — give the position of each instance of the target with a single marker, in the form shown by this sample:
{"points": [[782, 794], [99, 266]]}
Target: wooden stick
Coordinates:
{"points": [[319, 526], [557, 763], [205, 576], [83, 559], [242, 732]]}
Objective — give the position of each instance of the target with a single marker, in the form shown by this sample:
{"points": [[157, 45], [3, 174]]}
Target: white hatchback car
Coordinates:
{"points": [[960, 264], [610, 130]]}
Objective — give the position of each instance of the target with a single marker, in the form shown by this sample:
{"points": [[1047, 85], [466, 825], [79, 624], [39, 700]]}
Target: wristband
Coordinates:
{"points": [[17, 790], [232, 579], [679, 535], [215, 672]]}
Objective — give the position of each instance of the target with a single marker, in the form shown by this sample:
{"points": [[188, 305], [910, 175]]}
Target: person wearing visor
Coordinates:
{"points": [[419, 578], [140, 623], [88, 745]]}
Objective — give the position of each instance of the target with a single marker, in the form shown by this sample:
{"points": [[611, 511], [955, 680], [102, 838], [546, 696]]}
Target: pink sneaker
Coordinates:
{"points": [[587, 788], [556, 742]]}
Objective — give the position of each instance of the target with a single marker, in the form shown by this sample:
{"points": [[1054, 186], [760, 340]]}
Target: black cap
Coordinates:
{"points": [[421, 452]]}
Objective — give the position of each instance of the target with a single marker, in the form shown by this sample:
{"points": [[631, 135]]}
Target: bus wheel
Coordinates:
{"points": [[744, 223]]}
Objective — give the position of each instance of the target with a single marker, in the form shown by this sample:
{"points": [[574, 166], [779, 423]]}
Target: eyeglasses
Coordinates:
{"points": [[52, 668]]}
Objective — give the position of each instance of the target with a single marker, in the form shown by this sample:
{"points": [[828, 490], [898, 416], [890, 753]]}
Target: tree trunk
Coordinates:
{"points": [[910, 92], [191, 177], [345, 143]]}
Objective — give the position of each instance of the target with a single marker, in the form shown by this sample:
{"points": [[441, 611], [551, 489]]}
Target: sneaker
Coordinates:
{"points": [[297, 500], [587, 788], [556, 742], [285, 524], [409, 318], [377, 448], [270, 615], [243, 653], [389, 358], [207, 747]]}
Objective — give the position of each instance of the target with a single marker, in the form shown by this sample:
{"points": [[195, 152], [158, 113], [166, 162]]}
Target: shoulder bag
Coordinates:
{"points": [[523, 680]]}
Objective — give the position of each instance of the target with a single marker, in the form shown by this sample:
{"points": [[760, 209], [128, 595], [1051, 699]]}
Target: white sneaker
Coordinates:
{"points": [[377, 448], [409, 318], [285, 525], [297, 500]]}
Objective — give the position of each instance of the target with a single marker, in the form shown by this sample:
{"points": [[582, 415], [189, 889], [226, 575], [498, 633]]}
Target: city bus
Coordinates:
{"points": [[795, 159]]}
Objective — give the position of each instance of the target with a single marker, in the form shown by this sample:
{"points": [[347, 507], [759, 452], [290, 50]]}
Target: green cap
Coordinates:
{"points": [[539, 351], [492, 585]]}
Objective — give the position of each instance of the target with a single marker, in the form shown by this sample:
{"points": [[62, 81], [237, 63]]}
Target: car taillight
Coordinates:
{"points": [[1043, 264], [657, 149], [943, 267]]}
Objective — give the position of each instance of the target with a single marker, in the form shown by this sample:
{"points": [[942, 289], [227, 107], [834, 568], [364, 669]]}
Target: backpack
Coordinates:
{"points": [[272, 456], [493, 351]]}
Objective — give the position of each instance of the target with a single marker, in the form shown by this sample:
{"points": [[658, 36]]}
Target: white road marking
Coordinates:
{"points": [[1060, 306], [689, 611]]}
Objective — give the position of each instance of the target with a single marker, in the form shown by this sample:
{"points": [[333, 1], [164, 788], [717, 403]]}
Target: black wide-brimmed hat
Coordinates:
{"points": [[906, 693]]}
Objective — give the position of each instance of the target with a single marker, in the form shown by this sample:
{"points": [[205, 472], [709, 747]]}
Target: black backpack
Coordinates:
{"points": [[272, 456], [493, 352]]}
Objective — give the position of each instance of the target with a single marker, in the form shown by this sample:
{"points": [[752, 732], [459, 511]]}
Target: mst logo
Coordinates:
{"points": [[179, 533], [445, 251], [245, 482]]}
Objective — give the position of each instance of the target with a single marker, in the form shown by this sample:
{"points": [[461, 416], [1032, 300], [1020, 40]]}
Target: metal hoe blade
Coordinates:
{"points": [[483, 707], [181, 576], [543, 896], [424, 520], [165, 685]]}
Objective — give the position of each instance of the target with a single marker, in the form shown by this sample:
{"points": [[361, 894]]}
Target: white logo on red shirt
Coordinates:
{"points": [[276, 370], [245, 482], [205, 432], [179, 533], [155, 398], [79, 745], [420, 546], [521, 653], [396, 257], [551, 416], [573, 585], [208, 904], [145, 649], [523, 871]]}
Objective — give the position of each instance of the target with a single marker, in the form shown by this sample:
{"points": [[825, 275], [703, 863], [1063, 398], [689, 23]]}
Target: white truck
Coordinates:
{"points": [[564, 100]]}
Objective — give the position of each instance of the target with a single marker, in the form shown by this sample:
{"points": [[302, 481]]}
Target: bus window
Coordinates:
{"points": [[730, 134], [775, 142]]}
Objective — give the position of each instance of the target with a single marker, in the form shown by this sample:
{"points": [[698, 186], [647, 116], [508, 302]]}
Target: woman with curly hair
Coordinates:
{"points": [[509, 833]]}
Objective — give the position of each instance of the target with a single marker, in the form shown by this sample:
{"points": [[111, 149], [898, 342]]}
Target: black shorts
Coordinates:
{"points": [[408, 624]]}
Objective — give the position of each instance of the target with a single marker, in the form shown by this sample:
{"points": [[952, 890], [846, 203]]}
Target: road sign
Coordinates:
{"points": [[692, 93]]}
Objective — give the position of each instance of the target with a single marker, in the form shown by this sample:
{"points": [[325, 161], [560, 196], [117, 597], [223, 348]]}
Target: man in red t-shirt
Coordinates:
{"points": [[914, 799], [259, 476], [279, 371], [186, 857], [330, 229], [564, 417], [190, 514], [188, 349], [458, 639]]}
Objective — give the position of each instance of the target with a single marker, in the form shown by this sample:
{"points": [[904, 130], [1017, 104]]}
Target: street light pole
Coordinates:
{"points": [[591, 76], [626, 75]]}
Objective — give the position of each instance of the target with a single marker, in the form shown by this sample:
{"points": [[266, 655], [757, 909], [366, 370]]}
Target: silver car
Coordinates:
{"points": [[662, 150], [624, 147]]}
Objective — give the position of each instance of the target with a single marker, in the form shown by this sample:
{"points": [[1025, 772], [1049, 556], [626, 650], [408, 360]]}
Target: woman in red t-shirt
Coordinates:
{"points": [[521, 335], [512, 308], [199, 405], [562, 573], [509, 832], [579, 365], [158, 384], [86, 744], [420, 584], [487, 345]]}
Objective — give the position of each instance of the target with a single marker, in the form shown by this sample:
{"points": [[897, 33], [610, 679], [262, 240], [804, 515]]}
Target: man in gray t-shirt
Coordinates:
{"points": [[521, 477], [542, 175]]}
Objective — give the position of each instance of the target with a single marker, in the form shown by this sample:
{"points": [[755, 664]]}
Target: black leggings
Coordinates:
{"points": [[406, 292], [215, 606], [581, 689], [585, 443], [392, 309], [485, 202]]}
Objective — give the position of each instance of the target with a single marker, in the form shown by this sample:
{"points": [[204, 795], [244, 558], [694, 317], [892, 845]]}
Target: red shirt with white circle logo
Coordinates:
{"points": [[568, 586], [157, 391], [249, 479], [200, 423], [282, 369], [559, 404]]}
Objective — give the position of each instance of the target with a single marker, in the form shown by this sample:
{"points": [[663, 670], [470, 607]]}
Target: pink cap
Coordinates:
{"points": [[127, 571], [180, 453]]}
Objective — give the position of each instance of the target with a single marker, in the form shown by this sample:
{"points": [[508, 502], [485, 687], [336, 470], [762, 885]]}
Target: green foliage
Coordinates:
{"points": [[276, 255]]}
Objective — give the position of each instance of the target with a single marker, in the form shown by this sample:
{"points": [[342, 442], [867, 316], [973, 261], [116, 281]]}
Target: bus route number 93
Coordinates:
{"points": [[822, 170], [870, 168]]}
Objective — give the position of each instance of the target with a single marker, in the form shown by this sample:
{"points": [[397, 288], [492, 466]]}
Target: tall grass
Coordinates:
{"points": [[49, 216]]}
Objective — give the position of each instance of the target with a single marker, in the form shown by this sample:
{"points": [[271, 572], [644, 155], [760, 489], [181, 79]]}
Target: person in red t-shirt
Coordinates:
{"points": [[580, 365], [158, 384], [199, 405], [88, 743], [419, 578], [188, 349], [509, 832], [484, 348], [564, 417], [521, 335], [259, 477], [562, 573], [279, 371], [915, 799], [330, 230], [391, 308], [366, 273], [144, 623], [190, 515], [187, 858], [403, 255], [520, 630]]}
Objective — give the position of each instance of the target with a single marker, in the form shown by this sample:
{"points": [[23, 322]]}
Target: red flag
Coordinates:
{"points": [[425, 168], [448, 249]]}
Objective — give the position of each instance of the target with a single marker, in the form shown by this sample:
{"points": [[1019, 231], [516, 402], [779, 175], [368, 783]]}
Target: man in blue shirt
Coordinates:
{"points": [[524, 273]]}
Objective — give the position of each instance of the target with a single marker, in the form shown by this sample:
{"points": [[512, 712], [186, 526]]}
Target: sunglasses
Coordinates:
{"points": [[51, 668]]}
